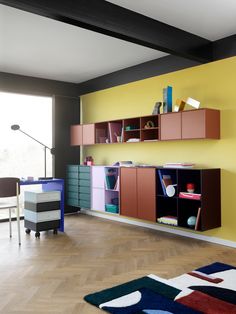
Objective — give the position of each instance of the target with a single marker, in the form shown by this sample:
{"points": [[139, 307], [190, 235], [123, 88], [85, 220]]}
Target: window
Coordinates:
{"points": [[20, 156]]}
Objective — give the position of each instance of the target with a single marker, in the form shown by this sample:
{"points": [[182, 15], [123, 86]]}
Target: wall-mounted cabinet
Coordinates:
{"points": [[201, 123], [202, 203], [141, 192], [138, 193], [191, 124]]}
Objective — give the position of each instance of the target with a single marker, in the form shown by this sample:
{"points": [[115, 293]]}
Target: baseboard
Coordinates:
{"points": [[154, 226]]}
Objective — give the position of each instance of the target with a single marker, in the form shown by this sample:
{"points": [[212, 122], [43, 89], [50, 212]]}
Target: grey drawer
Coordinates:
{"points": [[74, 195], [84, 197], [84, 183], [73, 188], [84, 175], [72, 181], [84, 189], [84, 204], [72, 175], [73, 202], [84, 169], [72, 168]]}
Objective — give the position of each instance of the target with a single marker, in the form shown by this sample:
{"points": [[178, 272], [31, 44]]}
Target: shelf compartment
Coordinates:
{"points": [[101, 132], [186, 176], [187, 209], [172, 173], [115, 131], [151, 121], [131, 124], [131, 134], [166, 207], [151, 134]]}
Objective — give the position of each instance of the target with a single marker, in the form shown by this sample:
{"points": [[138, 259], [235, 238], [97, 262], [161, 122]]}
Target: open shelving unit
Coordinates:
{"points": [[112, 188], [205, 208]]}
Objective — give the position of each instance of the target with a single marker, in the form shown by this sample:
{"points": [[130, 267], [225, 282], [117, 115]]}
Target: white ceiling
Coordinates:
{"points": [[37, 46], [210, 19], [41, 47]]}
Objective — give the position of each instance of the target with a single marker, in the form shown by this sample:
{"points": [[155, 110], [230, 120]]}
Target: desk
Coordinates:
{"points": [[51, 185]]}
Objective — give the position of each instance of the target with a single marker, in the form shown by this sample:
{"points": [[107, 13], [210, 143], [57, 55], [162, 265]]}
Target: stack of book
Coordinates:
{"points": [[168, 220], [165, 180], [183, 165]]}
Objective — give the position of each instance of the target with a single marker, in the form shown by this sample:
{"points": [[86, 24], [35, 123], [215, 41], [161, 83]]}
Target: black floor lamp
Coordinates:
{"points": [[16, 127]]}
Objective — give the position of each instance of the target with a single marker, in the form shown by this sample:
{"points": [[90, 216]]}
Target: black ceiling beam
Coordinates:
{"points": [[109, 19]]}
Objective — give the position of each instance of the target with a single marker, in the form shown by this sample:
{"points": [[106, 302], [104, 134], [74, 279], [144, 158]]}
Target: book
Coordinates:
{"points": [[167, 99], [178, 165], [115, 131], [192, 196], [166, 178], [168, 220], [162, 184], [117, 184], [110, 178], [197, 225]]}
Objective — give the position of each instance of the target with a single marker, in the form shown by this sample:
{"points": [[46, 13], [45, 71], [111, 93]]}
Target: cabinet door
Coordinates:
{"points": [[146, 194], [128, 192], [171, 126], [76, 135], [193, 124], [202, 123], [88, 134], [98, 199], [98, 177]]}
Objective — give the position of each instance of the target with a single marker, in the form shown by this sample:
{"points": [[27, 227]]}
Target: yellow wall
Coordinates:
{"points": [[213, 84]]}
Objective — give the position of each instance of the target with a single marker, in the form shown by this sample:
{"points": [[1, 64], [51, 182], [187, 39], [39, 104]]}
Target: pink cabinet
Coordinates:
{"points": [[171, 126], [88, 134], [76, 135], [201, 123]]}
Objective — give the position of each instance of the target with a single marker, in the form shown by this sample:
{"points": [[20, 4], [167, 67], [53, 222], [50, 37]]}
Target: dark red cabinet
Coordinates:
{"points": [[138, 193]]}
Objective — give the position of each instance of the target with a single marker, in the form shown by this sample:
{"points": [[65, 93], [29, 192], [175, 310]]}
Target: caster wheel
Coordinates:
{"points": [[37, 234], [27, 231], [55, 231]]}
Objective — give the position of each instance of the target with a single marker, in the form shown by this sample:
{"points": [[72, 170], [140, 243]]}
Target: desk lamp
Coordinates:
{"points": [[16, 127]]}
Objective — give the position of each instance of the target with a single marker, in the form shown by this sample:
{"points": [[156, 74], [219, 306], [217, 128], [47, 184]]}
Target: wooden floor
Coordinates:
{"points": [[52, 274]]}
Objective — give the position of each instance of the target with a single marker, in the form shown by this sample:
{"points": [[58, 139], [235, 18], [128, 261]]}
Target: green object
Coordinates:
{"points": [[111, 208]]}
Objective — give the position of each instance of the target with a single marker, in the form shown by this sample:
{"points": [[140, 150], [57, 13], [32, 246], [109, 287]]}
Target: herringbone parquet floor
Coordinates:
{"points": [[53, 273]]}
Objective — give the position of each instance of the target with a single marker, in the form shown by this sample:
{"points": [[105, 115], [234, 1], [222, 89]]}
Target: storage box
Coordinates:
{"points": [[111, 208]]}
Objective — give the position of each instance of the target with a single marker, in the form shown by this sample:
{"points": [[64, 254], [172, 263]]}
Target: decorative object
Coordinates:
{"points": [[191, 222], [16, 127], [170, 190], [149, 124], [167, 99], [208, 289], [190, 187], [88, 161], [157, 107], [179, 106], [193, 103]]}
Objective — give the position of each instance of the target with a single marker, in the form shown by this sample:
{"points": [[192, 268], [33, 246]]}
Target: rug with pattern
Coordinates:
{"points": [[210, 289]]}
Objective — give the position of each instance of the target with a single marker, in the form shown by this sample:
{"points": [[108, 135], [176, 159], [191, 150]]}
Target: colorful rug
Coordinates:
{"points": [[210, 289]]}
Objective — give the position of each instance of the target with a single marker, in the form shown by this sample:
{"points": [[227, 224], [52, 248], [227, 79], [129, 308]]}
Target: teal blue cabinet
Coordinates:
{"points": [[78, 186]]}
